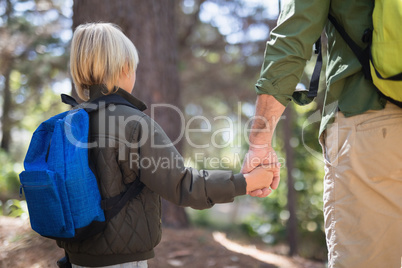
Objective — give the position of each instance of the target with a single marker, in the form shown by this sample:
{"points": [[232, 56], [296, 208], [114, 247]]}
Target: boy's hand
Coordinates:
{"points": [[259, 178], [268, 158]]}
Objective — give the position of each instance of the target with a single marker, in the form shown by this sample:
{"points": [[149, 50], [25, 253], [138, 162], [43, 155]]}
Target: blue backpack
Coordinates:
{"points": [[61, 190]]}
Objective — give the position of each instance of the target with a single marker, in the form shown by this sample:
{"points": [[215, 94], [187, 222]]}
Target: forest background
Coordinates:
{"points": [[201, 56]]}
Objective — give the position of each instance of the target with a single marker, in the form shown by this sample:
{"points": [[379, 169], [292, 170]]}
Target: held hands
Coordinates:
{"points": [[268, 111], [267, 158], [258, 178]]}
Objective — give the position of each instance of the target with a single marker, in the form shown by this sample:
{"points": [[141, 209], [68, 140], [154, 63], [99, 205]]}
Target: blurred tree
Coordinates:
{"points": [[151, 26], [221, 45], [221, 51], [221, 48], [291, 195], [33, 60], [28, 58], [281, 218]]}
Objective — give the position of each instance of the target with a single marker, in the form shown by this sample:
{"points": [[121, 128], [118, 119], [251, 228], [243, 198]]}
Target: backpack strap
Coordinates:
{"points": [[397, 77], [98, 103], [113, 205], [64, 262], [67, 99], [315, 77], [363, 55]]}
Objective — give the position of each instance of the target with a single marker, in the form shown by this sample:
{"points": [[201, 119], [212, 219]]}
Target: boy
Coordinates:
{"points": [[103, 61]]}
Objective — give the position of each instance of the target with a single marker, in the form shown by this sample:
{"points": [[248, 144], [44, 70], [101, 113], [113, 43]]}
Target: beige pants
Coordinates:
{"points": [[363, 189]]}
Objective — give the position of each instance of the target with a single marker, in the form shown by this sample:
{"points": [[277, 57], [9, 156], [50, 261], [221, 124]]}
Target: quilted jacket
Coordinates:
{"points": [[130, 146]]}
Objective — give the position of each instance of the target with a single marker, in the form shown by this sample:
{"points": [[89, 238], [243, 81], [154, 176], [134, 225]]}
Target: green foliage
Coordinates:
{"points": [[33, 56], [9, 181], [219, 67], [271, 223], [15, 208], [201, 218]]}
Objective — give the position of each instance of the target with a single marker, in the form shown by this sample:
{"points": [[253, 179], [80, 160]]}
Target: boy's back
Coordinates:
{"points": [[127, 145], [130, 146]]}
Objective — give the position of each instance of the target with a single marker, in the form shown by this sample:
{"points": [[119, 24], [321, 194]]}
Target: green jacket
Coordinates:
{"points": [[290, 47], [133, 146]]}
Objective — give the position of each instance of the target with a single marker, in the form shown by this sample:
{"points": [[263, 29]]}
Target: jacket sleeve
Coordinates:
{"points": [[299, 26], [161, 168]]}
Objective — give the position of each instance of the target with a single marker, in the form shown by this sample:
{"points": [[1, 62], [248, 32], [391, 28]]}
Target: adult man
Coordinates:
{"points": [[359, 133]]}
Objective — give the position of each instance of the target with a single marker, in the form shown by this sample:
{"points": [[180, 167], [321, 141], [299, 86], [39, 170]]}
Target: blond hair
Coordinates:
{"points": [[100, 53]]}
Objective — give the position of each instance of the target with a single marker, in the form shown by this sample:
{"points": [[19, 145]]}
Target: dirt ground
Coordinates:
{"points": [[195, 248]]}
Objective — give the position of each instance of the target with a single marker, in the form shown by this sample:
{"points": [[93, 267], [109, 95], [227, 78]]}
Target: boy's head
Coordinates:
{"points": [[100, 54]]}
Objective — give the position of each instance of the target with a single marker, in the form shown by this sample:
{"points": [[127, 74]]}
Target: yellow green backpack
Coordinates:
{"points": [[386, 48], [381, 60]]}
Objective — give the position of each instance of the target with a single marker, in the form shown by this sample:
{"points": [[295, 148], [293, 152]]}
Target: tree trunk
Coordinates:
{"points": [[150, 25], [292, 222], [6, 123], [7, 60]]}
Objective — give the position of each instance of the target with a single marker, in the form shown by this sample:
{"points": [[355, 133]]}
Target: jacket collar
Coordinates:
{"points": [[96, 91]]}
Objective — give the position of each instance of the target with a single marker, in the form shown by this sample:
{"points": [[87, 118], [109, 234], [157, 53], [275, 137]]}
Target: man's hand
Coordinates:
{"points": [[267, 158], [268, 111]]}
